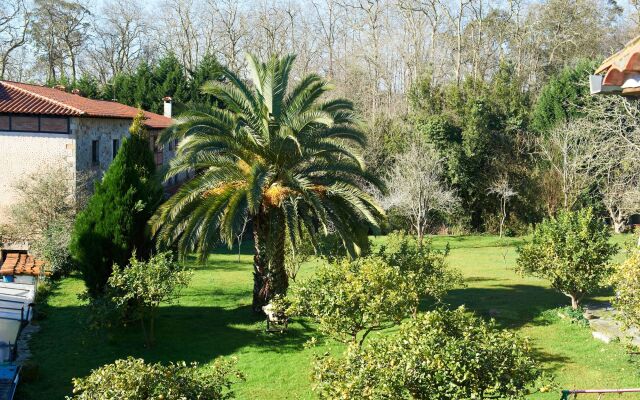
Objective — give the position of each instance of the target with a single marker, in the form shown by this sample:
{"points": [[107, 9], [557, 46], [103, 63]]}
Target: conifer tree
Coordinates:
{"points": [[114, 223]]}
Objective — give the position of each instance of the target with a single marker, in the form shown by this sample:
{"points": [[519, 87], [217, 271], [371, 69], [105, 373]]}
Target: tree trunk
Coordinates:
{"points": [[277, 271], [575, 300], [260, 282], [269, 273], [152, 329]]}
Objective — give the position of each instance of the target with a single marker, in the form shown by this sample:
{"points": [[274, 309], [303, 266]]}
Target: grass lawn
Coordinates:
{"points": [[212, 318]]}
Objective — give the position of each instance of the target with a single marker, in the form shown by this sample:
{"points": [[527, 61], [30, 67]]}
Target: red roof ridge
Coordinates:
{"points": [[45, 98]]}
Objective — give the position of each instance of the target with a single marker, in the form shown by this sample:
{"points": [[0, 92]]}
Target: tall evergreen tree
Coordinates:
{"points": [[114, 223], [208, 69], [561, 98], [170, 80]]}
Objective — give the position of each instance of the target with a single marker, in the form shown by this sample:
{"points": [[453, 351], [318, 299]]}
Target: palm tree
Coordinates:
{"points": [[289, 160]]}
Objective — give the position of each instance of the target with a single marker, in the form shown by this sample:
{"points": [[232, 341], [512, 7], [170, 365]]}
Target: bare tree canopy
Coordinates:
{"points": [[417, 188], [14, 25], [376, 50]]}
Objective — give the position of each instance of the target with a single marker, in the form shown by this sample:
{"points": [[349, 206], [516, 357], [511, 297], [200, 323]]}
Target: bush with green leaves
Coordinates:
{"points": [[141, 286], [572, 251], [626, 281], [422, 265], [133, 379], [437, 355], [53, 247], [349, 299], [114, 223]]}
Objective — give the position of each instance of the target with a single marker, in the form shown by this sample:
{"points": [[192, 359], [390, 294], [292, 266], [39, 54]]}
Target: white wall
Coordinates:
{"points": [[24, 153]]}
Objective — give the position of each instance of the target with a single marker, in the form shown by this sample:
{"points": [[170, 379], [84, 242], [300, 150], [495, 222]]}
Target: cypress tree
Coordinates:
{"points": [[114, 223]]}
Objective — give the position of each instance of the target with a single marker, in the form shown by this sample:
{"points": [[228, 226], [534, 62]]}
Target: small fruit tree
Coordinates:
{"points": [[143, 285], [437, 355], [626, 280], [349, 299], [572, 251]]}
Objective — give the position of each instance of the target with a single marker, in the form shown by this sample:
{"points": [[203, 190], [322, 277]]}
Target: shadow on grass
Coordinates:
{"points": [[512, 306], [549, 362], [217, 265], [67, 348]]}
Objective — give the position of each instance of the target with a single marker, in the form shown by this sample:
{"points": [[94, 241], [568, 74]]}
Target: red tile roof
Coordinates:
{"points": [[22, 264], [24, 98], [623, 68]]}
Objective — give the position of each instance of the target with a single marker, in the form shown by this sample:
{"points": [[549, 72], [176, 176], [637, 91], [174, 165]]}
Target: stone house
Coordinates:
{"points": [[42, 127]]}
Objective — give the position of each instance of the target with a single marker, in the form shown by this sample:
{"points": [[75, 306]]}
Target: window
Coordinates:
{"points": [[5, 124], [114, 147], [34, 123], [55, 125], [157, 150], [27, 124], [95, 152]]}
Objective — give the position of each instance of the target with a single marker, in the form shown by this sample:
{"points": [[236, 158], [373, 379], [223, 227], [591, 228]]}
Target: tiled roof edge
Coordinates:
{"points": [[45, 98]]}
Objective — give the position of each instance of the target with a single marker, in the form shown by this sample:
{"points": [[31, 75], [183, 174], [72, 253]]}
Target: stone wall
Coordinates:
{"points": [[104, 130], [86, 130]]}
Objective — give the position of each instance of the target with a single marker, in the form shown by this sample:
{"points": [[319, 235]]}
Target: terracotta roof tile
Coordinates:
{"points": [[24, 98], [22, 264]]}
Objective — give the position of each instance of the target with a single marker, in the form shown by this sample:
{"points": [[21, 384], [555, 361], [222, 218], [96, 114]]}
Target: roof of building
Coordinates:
{"points": [[622, 69], [25, 98], [22, 264]]}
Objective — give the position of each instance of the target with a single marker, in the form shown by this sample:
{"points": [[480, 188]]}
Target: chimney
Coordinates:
{"points": [[167, 106], [61, 88], [76, 91]]}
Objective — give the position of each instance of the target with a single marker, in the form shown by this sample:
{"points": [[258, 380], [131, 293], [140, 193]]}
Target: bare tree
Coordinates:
{"points": [[620, 188], [416, 187], [118, 43], [568, 153], [14, 25], [503, 190], [328, 17], [232, 31], [612, 124], [43, 198], [60, 28]]}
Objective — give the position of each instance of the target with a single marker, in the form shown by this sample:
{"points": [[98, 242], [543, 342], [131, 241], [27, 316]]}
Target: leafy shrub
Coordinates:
{"points": [[351, 298], [143, 285], [133, 379], [626, 280], [53, 247], [438, 355], [572, 251], [575, 315], [423, 266]]}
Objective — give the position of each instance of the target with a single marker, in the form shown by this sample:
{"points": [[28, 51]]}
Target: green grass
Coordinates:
{"points": [[212, 318]]}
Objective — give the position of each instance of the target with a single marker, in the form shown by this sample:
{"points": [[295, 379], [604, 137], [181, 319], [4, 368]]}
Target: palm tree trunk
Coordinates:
{"points": [[260, 262], [277, 271], [269, 273]]}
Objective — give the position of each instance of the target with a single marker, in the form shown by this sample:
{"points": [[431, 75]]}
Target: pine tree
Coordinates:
{"points": [[114, 223]]}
